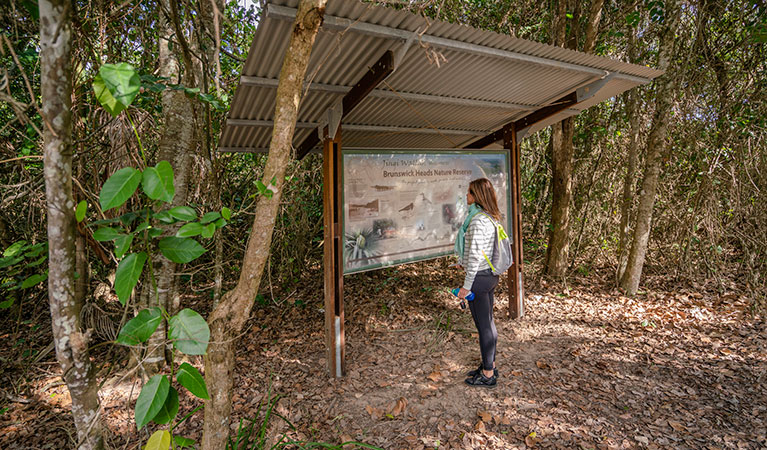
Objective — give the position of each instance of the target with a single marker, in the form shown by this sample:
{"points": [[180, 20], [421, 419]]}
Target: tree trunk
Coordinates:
{"points": [[632, 110], [562, 189], [176, 146], [664, 94], [229, 317], [70, 342], [562, 146]]}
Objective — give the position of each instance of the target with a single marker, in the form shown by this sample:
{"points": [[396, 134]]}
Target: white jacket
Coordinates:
{"points": [[479, 238]]}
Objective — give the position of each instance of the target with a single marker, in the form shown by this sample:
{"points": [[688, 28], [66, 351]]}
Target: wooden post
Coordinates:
{"points": [[332, 194], [514, 274]]}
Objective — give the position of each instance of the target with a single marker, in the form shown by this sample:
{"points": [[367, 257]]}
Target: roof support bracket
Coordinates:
{"points": [[332, 120], [588, 91], [402, 49]]}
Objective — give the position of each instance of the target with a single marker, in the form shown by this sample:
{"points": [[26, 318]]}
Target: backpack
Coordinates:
{"points": [[502, 259]]}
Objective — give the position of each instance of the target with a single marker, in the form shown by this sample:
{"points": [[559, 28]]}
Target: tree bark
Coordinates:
{"points": [[632, 110], [70, 342], [656, 144], [562, 146], [229, 317], [177, 144]]}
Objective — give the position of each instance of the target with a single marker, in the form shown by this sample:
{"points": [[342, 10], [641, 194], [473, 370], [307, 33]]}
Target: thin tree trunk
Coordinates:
{"points": [[664, 94], [176, 146], [70, 342], [633, 113], [227, 320]]}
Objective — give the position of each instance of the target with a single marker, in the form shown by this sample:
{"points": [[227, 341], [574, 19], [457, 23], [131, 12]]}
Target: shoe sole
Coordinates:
{"points": [[486, 386]]}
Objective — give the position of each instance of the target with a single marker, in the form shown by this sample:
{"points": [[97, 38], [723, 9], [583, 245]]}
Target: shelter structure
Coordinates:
{"points": [[392, 79]]}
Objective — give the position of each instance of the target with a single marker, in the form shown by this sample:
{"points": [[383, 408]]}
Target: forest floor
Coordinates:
{"points": [[676, 367]]}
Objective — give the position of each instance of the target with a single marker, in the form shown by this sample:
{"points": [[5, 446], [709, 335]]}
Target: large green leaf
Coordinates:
{"points": [[160, 440], [169, 408], [122, 244], [119, 188], [189, 377], [105, 97], [189, 332], [151, 399], [122, 82], [180, 250], [158, 182], [127, 275], [190, 230], [141, 327], [104, 234], [183, 213]]}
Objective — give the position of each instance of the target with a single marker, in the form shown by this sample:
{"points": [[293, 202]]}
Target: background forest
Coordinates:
{"points": [[683, 159]]}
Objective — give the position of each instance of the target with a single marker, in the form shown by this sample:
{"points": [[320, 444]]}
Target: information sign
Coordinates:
{"points": [[402, 206]]}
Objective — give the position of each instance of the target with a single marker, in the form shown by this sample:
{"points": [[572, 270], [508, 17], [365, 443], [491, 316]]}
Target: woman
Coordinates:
{"points": [[474, 247]]}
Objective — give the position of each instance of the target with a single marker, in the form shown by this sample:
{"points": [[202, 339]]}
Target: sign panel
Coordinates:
{"points": [[402, 206]]}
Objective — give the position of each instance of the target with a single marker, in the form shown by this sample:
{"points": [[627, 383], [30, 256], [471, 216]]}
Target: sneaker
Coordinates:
{"points": [[480, 380], [479, 369]]}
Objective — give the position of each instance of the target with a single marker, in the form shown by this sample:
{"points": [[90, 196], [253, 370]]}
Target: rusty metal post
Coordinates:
{"points": [[514, 274], [332, 194]]}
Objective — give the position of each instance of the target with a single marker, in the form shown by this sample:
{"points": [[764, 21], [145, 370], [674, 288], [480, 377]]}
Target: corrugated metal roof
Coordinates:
{"points": [[483, 79]]}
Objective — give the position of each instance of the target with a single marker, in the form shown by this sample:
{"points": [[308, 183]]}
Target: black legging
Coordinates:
{"points": [[482, 312]]}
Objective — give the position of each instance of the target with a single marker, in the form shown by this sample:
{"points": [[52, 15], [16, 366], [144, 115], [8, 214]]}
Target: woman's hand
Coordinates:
{"points": [[462, 293]]}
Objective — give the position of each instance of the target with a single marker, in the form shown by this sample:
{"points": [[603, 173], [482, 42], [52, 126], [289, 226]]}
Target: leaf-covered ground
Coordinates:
{"points": [[586, 368]]}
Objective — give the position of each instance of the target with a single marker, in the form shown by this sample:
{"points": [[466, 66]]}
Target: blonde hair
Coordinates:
{"points": [[484, 195]]}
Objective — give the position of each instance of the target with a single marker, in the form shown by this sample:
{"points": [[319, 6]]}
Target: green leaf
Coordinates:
{"points": [[220, 223], [9, 261], [189, 377], [122, 244], [106, 234], [82, 207], [140, 328], [122, 82], [208, 231], [164, 217], [14, 249], [189, 230], [39, 261], [183, 442], [105, 97], [154, 232], [183, 213], [119, 188], [160, 440], [169, 409], [6, 303], [127, 275], [209, 217], [33, 280], [180, 250], [158, 182], [189, 332], [151, 400], [226, 213]]}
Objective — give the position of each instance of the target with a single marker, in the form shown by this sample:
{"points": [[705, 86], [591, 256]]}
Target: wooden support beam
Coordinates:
{"points": [[529, 120], [332, 193], [377, 73], [514, 274]]}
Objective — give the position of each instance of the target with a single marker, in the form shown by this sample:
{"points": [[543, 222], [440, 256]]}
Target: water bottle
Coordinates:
{"points": [[469, 297]]}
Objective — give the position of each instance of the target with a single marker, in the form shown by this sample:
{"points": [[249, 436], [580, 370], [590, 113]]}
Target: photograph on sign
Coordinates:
{"points": [[405, 206]]}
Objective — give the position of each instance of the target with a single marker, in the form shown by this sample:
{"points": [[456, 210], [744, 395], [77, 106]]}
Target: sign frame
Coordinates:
{"points": [[505, 170]]}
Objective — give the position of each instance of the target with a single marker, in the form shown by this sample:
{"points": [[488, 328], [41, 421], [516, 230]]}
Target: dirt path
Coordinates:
{"points": [[586, 369]]}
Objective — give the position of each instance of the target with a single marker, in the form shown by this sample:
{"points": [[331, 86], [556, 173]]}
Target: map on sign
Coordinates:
{"points": [[405, 206]]}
